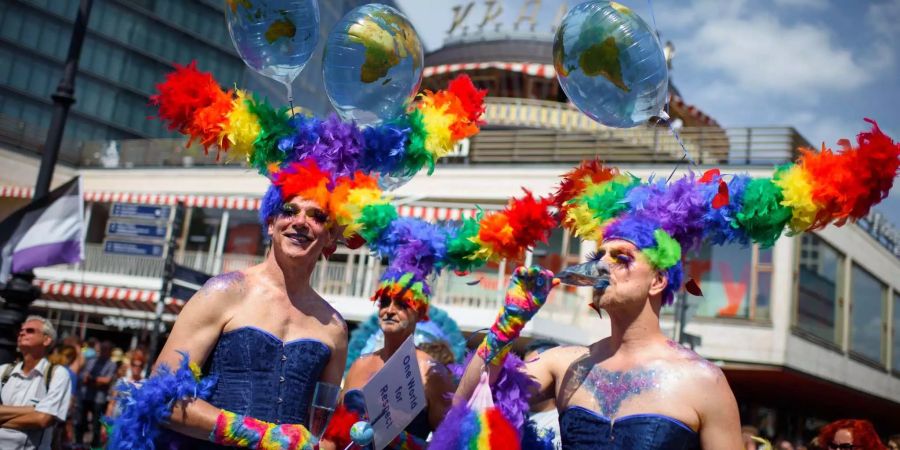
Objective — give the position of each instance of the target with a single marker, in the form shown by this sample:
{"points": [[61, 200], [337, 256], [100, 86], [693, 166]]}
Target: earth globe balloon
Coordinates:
{"points": [[610, 64], [372, 64], [275, 38]]}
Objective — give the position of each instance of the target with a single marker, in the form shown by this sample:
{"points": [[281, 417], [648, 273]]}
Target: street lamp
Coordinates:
{"points": [[19, 292]]}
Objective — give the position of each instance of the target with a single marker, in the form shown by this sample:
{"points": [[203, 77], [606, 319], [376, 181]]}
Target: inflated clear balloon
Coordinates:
{"points": [[610, 64], [372, 64], [274, 37], [389, 182]]}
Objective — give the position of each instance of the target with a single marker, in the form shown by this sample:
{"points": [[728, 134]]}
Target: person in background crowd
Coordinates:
{"points": [[894, 442], [850, 434], [544, 414], [65, 355], [96, 379], [35, 393]]}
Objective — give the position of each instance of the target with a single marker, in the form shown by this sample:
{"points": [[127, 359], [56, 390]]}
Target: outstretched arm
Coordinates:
{"points": [[527, 293]]}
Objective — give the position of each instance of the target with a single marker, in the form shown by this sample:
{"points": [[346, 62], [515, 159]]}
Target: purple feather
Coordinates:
{"points": [[452, 432], [721, 224], [385, 146], [510, 392], [679, 209], [334, 144]]}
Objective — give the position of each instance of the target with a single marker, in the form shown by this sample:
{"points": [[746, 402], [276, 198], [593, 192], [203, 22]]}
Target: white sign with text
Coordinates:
{"points": [[395, 395]]}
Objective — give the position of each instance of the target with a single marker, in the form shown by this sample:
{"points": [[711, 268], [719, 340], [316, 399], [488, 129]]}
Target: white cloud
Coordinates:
{"points": [[884, 18], [761, 54], [805, 4]]}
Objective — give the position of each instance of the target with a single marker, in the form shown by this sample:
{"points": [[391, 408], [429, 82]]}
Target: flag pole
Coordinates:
{"points": [[18, 291]]}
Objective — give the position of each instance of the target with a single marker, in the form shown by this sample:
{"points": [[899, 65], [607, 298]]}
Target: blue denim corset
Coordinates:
{"points": [[263, 377], [583, 429]]}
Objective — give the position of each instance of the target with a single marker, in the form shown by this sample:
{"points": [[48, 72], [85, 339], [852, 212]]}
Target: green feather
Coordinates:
{"points": [[762, 215], [667, 252], [607, 201], [273, 126], [416, 156], [375, 219], [460, 248]]}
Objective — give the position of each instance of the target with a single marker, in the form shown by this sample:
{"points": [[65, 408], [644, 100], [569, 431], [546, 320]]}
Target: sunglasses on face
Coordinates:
{"points": [[317, 215], [384, 302], [836, 446], [28, 330]]}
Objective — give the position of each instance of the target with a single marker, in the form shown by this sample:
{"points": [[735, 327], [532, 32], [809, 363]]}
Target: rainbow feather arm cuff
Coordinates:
{"points": [[527, 293], [242, 431], [144, 408]]}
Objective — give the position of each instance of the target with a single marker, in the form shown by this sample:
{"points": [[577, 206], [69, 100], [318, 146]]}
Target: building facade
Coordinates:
{"points": [[806, 331], [130, 46]]}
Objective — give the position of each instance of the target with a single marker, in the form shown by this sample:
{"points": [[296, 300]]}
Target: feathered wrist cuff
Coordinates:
{"points": [[242, 431]]}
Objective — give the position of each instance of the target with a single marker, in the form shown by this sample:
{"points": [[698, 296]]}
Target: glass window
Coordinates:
{"points": [[866, 311], [12, 24], [895, 333], [819, 289], [723, 273], [50, 33], [39, 82]]}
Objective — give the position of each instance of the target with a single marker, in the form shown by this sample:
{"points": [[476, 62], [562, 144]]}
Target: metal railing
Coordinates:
{"points": [[353, 278], [520, 131]]}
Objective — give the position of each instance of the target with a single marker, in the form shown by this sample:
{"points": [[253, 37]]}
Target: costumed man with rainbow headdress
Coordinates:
{"points": [[263, 334], [636, 389], [402, 300]]}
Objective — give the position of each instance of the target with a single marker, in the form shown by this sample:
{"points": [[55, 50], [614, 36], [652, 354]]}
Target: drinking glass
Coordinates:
{"points": [[324, 400]]}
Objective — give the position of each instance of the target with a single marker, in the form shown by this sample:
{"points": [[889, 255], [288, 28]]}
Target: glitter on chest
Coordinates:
{"points": [[611, 389]]}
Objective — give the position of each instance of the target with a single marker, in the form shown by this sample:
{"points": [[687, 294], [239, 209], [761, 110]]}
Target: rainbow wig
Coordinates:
{"points": [[666, 219], [333, 162]]}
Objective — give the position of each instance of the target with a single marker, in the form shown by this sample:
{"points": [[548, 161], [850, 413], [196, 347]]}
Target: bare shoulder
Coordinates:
{"points": [[225, 286], [564, 355], [218, 296], [334, 321], [700, 369]]}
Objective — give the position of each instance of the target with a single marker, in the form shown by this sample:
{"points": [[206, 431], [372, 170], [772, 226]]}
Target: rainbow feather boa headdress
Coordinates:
{"points": [[663, 219], [332, 161]]}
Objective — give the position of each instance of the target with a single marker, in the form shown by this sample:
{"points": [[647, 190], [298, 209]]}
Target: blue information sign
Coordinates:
{"points": [[142, 230], [133, 248], [140, 211]]}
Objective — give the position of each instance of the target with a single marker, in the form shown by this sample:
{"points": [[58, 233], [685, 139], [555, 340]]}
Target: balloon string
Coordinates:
{"points": [[664, 118]]}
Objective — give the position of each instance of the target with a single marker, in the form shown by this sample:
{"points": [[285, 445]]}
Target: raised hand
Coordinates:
{"points": [[526, 294]]}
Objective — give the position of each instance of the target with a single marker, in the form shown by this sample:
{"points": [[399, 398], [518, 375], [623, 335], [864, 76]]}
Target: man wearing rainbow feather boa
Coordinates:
{"points": [[402, 299], [263, 367], [636, 389]]}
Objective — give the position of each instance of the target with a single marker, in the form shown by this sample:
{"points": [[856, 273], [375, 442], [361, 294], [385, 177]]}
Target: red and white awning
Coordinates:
{"points": [[108, 296], [537, 70], [695, 112], [547, 71], [228, 202]]}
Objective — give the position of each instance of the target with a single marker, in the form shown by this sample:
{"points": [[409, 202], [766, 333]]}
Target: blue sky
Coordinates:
{"points": [[817, 65]]}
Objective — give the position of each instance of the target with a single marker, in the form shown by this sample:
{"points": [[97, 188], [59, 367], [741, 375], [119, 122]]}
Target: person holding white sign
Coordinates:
{"points": [[402, 300]]}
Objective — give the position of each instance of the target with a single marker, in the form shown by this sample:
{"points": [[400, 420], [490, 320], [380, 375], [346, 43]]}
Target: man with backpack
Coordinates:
{"points": [[35, 394]]}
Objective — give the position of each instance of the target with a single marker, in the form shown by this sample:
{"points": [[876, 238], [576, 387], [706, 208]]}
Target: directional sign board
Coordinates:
{"points": [[133, 248], [145, 212], [120, 228]]}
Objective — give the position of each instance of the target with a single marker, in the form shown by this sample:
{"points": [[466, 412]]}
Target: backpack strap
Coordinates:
{"points": [[7, 373], [48, 376]]}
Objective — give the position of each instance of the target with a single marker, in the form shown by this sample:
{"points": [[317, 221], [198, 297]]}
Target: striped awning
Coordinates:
{"points": [[537, 70], [108, 296], [228, 202], [695, 112]]}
